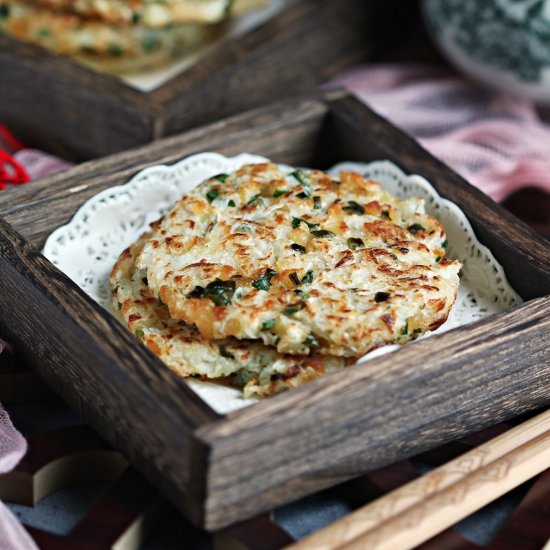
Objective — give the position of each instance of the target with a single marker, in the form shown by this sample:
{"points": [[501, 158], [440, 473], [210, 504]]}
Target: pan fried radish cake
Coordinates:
{"points": [[149, 13], [305, 262], [68, 34], [259, 370]]}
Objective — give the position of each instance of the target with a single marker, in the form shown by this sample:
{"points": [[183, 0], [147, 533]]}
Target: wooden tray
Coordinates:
{"points": [[222, 469], [66, 108]]}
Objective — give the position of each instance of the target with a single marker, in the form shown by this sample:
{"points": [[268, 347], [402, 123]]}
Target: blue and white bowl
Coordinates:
{"points": [[504, 44]]}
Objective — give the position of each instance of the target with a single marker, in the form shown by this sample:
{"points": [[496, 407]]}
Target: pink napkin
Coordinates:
{"points": [[496, 142], [12, 448]]}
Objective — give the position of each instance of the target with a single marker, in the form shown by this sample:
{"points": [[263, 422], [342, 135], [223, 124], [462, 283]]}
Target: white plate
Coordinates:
{"points": [[87, 247]]}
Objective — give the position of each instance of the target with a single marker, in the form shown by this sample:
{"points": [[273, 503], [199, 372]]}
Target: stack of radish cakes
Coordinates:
{"points": [[267, 278], [119, 36]]}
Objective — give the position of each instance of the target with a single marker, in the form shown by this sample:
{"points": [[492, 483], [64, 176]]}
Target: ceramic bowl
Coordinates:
{"points": [[504, 44]]}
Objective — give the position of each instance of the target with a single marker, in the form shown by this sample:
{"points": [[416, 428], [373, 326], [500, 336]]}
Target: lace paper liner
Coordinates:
{"points": [[87, 247]]}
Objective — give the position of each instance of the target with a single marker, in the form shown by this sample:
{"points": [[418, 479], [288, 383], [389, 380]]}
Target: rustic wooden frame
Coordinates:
{"points": [[222, 469], [63, 107]]}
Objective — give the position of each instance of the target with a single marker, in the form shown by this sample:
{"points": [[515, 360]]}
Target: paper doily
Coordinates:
{"points": [[87, 247]]}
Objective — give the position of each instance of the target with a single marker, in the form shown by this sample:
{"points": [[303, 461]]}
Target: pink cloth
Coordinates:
{"points": [[12, 448], [497, 143], [39, 164]]}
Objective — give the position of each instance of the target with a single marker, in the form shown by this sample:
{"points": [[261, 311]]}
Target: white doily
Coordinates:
{"points": [[87, 247]]}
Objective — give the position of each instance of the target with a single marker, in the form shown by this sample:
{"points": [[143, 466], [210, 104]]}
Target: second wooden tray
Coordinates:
{"points": [[63, 107]]}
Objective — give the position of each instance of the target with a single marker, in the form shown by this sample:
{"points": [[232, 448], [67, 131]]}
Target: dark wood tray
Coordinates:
{"points": [[64, 107], [222, 469]]}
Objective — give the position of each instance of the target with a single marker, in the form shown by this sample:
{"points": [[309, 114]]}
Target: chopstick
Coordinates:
{"points": [[426, 506]]}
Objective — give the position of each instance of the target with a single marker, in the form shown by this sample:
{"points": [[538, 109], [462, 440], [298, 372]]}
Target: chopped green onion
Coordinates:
{"points": [[405, 330], [438, 259], [150, 43], [220, 177], [297, 221], [311, 341], [115, 50], [298, 248], [264, 280], [355, 243], [268, 325], [323, 234], [225, 353], [197, 292], [381, 297], [279, 193], [354, 207], [415, 228], [294, 278], [297, 175], [220, 292], [307, 278], [139, 333], [119, 305], [212, 195], [255, 198], [231, 202], [417, 330], [241, 377], [291, 310], [444, 244], [316, 202]]}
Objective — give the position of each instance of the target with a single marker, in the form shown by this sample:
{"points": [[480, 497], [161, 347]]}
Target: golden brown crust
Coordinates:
{"points": [[102, 45], [257, 369], [302, 261], [148, 13]]}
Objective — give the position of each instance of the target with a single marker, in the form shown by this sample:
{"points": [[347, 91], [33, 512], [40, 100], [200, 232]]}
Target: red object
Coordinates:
{"points": [[11, 172]]}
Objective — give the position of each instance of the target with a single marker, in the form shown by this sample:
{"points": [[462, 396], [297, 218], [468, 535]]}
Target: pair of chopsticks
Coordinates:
{"points": [[426, 506]]}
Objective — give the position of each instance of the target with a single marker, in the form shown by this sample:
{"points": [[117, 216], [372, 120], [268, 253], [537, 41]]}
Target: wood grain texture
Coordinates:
{"points": [[17, 384], [527, 527], [70, 110], [88, 358], [62, 107], [396, 406], [286, 131], [333, 429], [420, 509]]}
